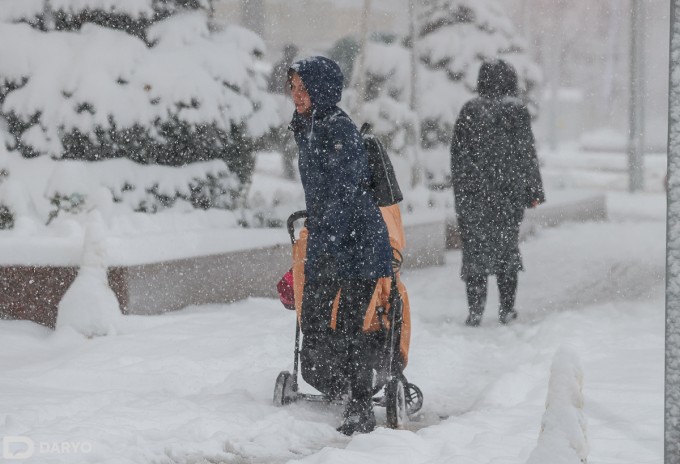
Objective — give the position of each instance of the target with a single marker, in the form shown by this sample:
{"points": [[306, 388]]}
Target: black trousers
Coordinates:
{"points": [[331, 359], [476, 288]]}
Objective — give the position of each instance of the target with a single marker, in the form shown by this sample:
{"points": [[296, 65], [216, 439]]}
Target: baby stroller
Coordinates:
{"points": [[387, 325]]}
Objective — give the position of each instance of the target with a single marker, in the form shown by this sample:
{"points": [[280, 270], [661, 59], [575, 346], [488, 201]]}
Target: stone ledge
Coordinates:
{"points": [[589, 208], [34, 292]]}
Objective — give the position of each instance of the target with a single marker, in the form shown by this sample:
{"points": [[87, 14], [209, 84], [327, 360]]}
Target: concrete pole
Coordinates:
{"points": [[636, 139], [672, 394]]}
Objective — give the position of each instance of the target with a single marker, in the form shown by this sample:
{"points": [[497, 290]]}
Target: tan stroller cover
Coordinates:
{"points": [[392, 216]]}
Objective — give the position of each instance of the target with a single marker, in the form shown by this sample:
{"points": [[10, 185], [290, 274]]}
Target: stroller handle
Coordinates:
{"points": [[291, 223]]}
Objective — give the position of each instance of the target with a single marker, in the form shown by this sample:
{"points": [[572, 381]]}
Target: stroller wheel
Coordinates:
{"points": [[283, 389], [414, 398], [395, 404]]}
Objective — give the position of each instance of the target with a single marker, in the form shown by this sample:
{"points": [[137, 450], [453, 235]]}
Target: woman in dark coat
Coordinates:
{"points": [[347, 247], [495, 177]]}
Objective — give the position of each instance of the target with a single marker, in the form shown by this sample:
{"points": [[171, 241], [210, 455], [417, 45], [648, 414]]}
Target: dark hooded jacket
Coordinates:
{"points": [[347, 233], [495, 172]]}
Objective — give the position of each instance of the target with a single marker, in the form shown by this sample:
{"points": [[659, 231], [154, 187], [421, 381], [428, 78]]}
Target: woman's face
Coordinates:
{"points": [[303, 104]]}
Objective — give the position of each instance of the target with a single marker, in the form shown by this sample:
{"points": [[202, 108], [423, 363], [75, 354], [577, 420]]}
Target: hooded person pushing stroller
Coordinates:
{"points": [[348, 247]]}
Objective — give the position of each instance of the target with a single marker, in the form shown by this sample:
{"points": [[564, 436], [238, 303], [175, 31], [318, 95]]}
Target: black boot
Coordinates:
{"points": [[505, 317], [507, 287], [358, 417], [475, 287], [473, 320]]}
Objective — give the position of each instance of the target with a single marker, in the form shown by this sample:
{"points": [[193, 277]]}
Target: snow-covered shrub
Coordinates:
{"points": [[147, 80], [133, 17], [6, 217], [52, 188], [344, 51], [387, 82], [6, 214], [453, 38], [214, 189], [73, 203]]}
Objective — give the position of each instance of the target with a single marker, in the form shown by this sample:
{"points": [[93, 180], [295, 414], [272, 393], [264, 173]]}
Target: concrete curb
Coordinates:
{"points": [[224, 278], [589, 208]]}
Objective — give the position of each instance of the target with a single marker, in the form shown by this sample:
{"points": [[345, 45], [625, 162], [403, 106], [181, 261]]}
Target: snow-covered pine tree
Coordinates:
{"points": [[147, 80], [452, 38]]}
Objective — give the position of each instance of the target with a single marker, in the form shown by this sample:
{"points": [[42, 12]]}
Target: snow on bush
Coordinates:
{"points": [[89, 306], [453, 38], [387, 84], [563, 438], [133, 16], [42, 188], [147, 80], [101, 93]]}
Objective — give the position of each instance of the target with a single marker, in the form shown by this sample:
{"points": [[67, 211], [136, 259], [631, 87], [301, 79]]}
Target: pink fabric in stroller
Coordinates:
{"points": [[286, 290]]}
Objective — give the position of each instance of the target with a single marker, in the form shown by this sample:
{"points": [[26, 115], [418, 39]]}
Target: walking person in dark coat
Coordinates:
{"points": [[347, 247], [495, 177]]}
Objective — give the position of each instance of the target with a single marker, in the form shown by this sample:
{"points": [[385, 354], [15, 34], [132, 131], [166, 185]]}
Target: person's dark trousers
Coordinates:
{"points": [[476, 289], [507, 288], [320, 366], [354, 344], [333, 359]]}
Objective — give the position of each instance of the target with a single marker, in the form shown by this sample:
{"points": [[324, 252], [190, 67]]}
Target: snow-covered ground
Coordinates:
{"points": [[195, 386]]}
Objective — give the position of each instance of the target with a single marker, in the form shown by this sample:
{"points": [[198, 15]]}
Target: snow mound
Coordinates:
{"points": [[563, 430], [89, 306]]}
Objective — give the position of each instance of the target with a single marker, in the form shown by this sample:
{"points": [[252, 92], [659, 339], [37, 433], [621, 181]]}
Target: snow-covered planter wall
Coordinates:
{"points": [[149, 81], [154, 264], [563, 438]]}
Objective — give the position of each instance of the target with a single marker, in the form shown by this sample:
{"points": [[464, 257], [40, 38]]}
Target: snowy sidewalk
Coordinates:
{"points": [[195, 386]]}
